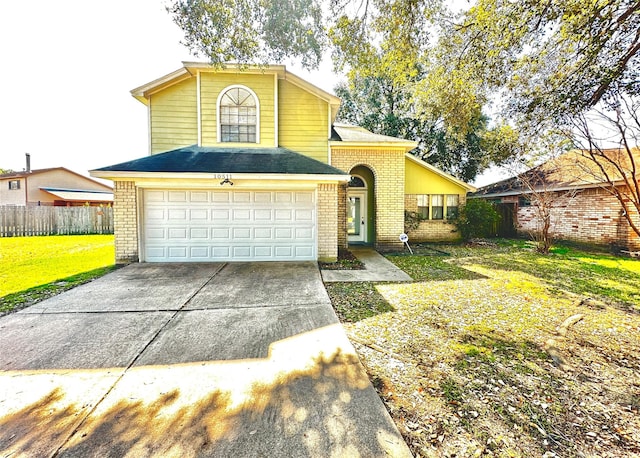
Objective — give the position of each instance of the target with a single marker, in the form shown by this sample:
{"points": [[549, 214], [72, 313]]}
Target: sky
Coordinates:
{"points": [[68, 67], [67, 71]]}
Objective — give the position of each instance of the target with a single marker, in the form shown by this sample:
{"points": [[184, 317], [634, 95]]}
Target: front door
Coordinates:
{"points": [[357, 216]]}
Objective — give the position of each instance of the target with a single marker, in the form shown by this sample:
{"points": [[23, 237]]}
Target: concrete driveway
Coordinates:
{"points": [[185, 360]]}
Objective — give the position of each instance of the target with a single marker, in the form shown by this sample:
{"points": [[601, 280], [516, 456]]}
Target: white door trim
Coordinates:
{"points": [[361, 195]]}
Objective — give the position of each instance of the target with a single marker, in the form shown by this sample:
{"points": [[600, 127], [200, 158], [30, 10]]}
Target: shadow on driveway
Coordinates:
{"points": [[235, 360]]}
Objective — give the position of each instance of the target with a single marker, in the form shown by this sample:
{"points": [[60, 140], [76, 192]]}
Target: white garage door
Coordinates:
{"points": [[229, 225]]}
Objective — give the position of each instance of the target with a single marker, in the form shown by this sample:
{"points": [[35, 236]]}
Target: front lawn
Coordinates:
{"points": [[471, 360], [34, 268]]}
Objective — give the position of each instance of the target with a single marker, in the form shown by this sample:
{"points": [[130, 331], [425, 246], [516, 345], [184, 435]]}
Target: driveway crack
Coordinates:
{"points": [[135, 359]]}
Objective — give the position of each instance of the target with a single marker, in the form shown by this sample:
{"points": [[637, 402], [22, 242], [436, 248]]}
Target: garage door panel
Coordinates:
{"points": [[262, 215], [199, 252], [221, 252], [241, 233], [220, 215], [304, 215], [221, 233], [199, 232], [262, 197], [263, 233], [228, 225], [283, 197], [156, 233], [284, 233], [154, 196], [177, 196], [198, 214], [241, 251], [303, 251], [283, 215], [177, 214], [179, 233], [304, 197], [283, 251], [177, 252], [155, 214], [241, 215], [241, 196], [199, 196], [221, 196], [265, 252], [304, 233]]}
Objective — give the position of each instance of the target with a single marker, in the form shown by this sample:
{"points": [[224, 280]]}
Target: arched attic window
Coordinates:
{"points": [[238, 119]]}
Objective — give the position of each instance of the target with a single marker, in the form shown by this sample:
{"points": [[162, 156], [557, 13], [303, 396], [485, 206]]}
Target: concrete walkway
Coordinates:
{"points": [[377, 268], [189, 360]]}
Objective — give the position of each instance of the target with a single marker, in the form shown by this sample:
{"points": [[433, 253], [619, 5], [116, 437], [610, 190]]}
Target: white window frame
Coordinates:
{"points": [[421, 199], [14, 185], [257, 100]]}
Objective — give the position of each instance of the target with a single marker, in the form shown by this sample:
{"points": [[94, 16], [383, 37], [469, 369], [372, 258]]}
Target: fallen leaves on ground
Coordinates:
{"points": [[461, 356]]}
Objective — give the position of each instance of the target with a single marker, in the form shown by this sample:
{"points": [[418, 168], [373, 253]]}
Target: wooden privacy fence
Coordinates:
{"points": [[26, 221]]}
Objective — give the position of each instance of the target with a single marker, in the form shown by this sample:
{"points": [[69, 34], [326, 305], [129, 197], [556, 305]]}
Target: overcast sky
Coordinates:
{"points": [[67, 69]]}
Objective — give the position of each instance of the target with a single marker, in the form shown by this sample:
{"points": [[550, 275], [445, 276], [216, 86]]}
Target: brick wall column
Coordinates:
{"points": [[388, 171], [327, 222], [125, 222], [342, 216]]}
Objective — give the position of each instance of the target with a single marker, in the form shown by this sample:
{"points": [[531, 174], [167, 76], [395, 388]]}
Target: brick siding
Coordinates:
{"points": [[125, 222], [431, 230], [327, 222], [342, 216], [592, 216], [388, 171]]}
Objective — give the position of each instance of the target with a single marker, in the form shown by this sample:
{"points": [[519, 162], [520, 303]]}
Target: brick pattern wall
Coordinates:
{"points": [[342, 216], [388, 169], [125, 222], [592, 216], [431, 230], [327, 222]]}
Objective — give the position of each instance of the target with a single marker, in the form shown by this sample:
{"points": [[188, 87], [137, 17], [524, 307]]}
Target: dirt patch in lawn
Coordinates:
{"points": [[346, 261], [472, 359]]}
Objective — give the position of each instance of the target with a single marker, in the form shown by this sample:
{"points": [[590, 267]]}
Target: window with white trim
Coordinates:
{"points": [[14, 185], [437, 206], [423, 205], [452, 205], [238, 115]]}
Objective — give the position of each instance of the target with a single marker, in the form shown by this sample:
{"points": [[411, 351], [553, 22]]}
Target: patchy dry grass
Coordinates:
{"points": [[467, 358]]}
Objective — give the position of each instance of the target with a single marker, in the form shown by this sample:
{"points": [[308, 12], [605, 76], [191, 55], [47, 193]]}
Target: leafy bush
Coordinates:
{"points": [[477, 218], [412, 221]]}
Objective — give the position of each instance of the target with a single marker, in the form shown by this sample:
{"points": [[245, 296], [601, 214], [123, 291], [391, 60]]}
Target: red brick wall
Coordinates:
{"points": [[591, 216]]}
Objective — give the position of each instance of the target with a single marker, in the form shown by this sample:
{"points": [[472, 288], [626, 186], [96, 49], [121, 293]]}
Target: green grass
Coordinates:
{"points": [[462, 351], [33, 268]]}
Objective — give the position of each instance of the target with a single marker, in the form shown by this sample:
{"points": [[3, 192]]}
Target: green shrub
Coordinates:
{"points": [[477, 218]]}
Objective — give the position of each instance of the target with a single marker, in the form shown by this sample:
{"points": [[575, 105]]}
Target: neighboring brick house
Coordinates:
{"points": [[56, 186], [583, 206], [250, 165]]}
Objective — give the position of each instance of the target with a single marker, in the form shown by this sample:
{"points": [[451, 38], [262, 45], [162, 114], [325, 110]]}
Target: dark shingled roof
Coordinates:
{"points": [[198, 159]]}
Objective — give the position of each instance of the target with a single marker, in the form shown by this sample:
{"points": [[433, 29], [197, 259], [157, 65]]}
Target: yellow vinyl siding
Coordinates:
{"points": [[419, 180], [211, 84], [303, 121], [174, 117]]}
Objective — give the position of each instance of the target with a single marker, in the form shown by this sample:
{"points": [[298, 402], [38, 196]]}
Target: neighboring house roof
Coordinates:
{"points": [[356, 136], [572, 170], [80, 195], [199, 159], [191, 69], [24, 173], [439, 172]]}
